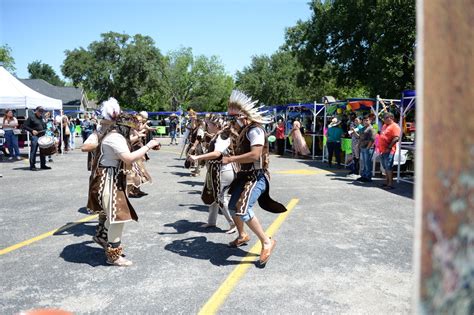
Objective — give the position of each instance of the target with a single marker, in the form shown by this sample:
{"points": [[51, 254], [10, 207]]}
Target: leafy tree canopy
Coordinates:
{"points": [[360, 44], [6, 59], [134, 71], [44, 71]]}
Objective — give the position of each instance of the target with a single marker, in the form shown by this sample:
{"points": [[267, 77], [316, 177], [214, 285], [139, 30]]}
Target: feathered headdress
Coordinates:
{"points": [[128, 120], [243, 104], [215, 119], [110, 109]]}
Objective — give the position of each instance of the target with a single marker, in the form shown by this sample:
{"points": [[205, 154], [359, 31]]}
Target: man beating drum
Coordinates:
{"points": [[36, 126]]}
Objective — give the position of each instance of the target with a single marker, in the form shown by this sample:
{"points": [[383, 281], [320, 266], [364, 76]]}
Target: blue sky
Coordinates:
{"points": [[234, 30]]}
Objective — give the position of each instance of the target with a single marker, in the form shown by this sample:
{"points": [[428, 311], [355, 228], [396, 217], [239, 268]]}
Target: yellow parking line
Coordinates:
{"points": [[42, 236], [219, 297]]}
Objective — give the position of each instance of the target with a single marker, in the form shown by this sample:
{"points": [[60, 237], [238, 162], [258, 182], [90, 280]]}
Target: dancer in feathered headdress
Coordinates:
{"points": [[195, 140], [243, 105], [252, 182], [218, 176], [139, 175], [107, 184]]}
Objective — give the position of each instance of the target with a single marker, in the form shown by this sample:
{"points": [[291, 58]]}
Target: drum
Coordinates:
{"points": [[47, 145]]}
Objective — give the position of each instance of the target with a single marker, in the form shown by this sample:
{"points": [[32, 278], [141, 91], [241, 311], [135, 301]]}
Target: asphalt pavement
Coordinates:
{"points": [[344, 248]]}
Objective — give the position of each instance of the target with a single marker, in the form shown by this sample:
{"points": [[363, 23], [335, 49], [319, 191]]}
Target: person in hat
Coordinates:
{"points": [[36, 127], [252, 181], [173, 128], [334, 136], [107, 186]]}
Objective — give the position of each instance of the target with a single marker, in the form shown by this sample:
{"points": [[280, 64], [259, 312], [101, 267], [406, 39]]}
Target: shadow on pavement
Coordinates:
{"points": [[25, 168], [83, 210], [401, 189], [82, 253], [185, 226], [182, 174], [77, 230], [191, 192], [191, 183], [199, 247], [201, 208]]}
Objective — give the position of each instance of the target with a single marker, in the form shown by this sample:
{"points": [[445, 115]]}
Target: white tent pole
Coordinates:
{"points": [[377, 100], [28, 136], [400, 138], [61, 133], [324, 128], [286, 124], [314, 127]]}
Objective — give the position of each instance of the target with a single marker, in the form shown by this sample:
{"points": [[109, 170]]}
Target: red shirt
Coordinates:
{"points": [[280, 132], [386, 136]]}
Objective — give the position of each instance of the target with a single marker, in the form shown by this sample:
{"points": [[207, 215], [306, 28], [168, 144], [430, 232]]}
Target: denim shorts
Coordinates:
{"points": [[257, 191], [386, 159]]}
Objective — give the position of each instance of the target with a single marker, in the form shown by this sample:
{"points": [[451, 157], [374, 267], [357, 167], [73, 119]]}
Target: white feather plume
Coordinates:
{"points": [[238, 101], [110, 109]]}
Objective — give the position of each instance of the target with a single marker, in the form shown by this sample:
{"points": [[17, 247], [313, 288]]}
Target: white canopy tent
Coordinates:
{"points": [[16, 95]]}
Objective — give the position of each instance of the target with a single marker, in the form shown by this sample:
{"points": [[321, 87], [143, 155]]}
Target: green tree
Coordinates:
{"points": [[6, 59], [363, 45], [273, 80], [198, 82], [127, 68], [39, 70]]}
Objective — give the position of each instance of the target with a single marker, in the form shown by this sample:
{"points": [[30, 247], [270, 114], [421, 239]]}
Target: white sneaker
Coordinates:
{"points": [[18, 158], [10, 158]]}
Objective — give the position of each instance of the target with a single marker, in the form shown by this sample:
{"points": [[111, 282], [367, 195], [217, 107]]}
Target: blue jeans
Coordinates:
{"points": [[34, 150], [257, 191], [386, 159], [12, 143], [366, 156], [173, 135]]}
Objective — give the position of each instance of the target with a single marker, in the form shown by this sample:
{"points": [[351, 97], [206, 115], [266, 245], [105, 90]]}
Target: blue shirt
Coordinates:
{"points": [[335, 134]]}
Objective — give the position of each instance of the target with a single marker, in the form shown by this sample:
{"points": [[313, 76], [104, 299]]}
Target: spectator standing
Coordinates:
{"points": [[10, 126], [366, 144], [334, 136], [72, 133], [280, 137], [355, 129], [86, 127], [173, 127], [64, 137], [36, 126], [388, 138], [299, 143], [50, 129]]}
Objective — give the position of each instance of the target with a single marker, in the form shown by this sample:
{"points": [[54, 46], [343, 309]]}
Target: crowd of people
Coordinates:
{"points": [[234, 150]]}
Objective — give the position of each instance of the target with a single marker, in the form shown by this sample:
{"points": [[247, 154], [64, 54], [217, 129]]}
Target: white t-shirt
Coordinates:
{"points": [[200, 133], [221, 146], [92, 139], [112, 145], [256, 136]]}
